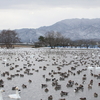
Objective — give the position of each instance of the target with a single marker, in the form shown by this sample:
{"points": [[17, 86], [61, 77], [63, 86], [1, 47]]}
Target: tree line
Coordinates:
{"points": [[55, 39], [51, 38]]}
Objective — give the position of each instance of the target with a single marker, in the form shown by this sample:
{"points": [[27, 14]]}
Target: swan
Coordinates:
{"points": [[15, 96], [5, 61], [1, 98], [90, 67], [97, 67]]}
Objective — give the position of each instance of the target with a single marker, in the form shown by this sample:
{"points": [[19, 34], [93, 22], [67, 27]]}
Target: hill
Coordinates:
{"points": [[71, 28]]}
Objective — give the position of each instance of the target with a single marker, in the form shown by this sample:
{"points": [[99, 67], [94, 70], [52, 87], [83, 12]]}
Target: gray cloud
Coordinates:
{"points": [[20, 4]]}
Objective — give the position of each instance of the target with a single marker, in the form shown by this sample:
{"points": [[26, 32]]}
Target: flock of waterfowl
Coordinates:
{"points": [[50, 74]]}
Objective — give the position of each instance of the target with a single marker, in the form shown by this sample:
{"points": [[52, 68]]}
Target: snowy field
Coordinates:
{"points": [[50, 74]]}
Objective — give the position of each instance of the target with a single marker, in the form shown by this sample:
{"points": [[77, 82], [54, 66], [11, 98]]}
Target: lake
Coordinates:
{"points": [[59, 69]]}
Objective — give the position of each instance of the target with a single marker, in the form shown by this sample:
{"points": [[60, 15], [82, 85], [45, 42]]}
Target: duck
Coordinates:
{"points": [[76, 90], [30, 81], [46, 90], [14, 88], [83, 98], [24, 86], [1, 98], [89, 86], [95, 94], [15, 96], [50, 97]]}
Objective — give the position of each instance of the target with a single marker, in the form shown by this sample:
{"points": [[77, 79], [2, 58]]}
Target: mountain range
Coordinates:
{"points": [[74, 29]]}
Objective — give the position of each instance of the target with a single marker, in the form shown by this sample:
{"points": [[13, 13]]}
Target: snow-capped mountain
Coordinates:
{"points": [[71, 28]]}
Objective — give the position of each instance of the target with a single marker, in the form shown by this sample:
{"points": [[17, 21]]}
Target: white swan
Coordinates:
{"points": [[1, 98], [15, 96], [5, 61], [90, 67], [97, 67]]}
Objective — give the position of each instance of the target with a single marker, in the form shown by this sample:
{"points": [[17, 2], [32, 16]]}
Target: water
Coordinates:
{"points": [[45, 62]]}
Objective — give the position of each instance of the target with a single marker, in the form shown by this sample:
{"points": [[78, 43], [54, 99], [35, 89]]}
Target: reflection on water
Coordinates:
{"points": [[58, 70]]}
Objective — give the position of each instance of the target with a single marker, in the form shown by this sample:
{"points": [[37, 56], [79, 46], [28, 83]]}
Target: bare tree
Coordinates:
{"points": [[8, 38], [54, 39], [66, 42], [93, 43], [58, 39], [50, 39]]}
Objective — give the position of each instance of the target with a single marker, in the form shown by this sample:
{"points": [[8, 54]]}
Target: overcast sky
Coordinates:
{"points": [[17, 14]]}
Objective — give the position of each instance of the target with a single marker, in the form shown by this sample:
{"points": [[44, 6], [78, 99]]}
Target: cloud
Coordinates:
{"points": [[26, 4], [35, 13], [15, 19]]}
